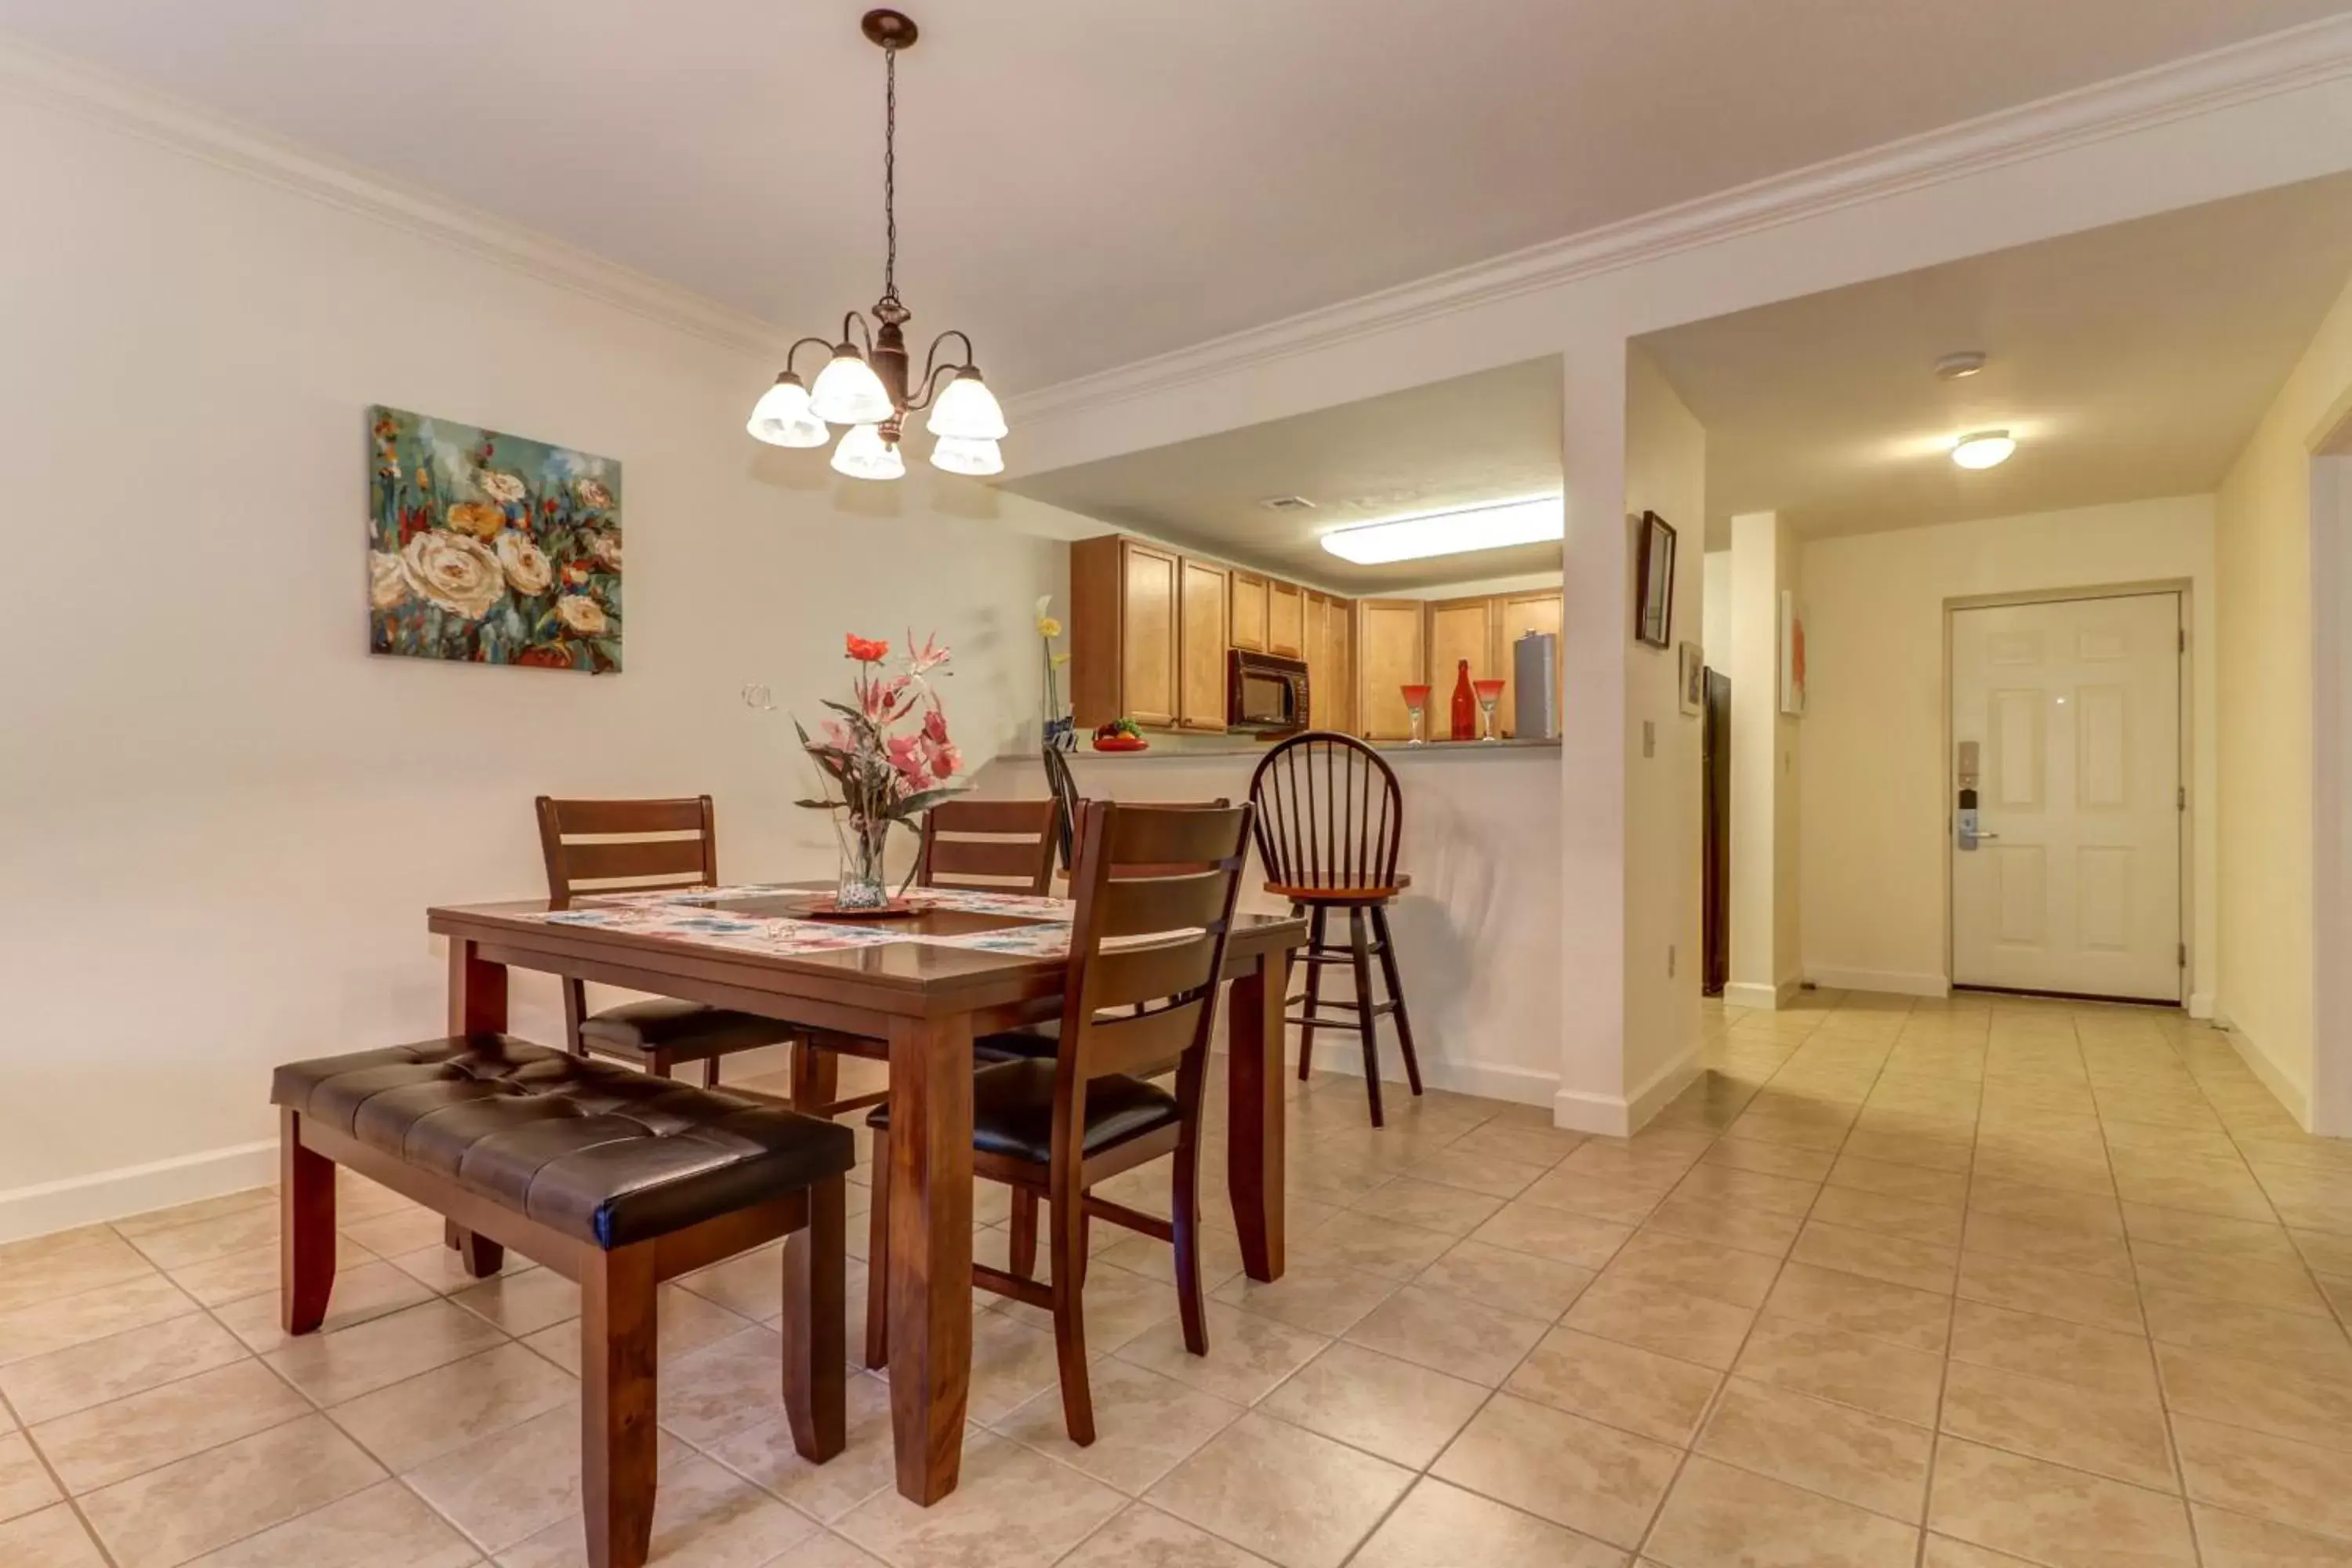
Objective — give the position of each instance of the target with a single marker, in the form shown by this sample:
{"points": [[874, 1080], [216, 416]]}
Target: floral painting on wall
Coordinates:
{"points": [[489, 549]]}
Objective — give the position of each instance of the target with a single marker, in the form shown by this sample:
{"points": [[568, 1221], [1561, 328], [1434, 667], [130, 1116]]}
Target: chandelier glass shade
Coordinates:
{"points": [[864, 384]]}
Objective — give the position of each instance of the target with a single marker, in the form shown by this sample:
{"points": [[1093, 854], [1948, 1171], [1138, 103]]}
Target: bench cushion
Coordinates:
{"points": [[590, 1148]]}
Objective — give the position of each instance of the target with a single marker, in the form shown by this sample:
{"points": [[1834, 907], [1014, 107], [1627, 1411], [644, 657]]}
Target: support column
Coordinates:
{"points": [[1766, 968]]}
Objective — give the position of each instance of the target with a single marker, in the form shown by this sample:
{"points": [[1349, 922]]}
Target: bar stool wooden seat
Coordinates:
{"points": [[1329, 819], [641, 847]]}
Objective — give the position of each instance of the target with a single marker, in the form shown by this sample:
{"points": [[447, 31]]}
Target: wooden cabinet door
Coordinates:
{"points": [[1515, 615], [1204, 591], [1318, 657], [1390, 657], [1339, 658], [1147, 634], [1458, 629], [1249, 622], [1285, 620]]}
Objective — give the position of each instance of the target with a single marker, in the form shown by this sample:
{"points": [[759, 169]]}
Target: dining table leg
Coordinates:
{"points": [[1254, 1086], [929, 1190], [477, 1005]]}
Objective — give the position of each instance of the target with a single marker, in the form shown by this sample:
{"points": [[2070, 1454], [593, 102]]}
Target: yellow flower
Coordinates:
{"points": [[1048, 627], [473, 517]]}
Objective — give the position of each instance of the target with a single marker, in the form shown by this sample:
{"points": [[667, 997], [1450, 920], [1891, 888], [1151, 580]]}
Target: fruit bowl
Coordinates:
{"points": [[1121, 743]]}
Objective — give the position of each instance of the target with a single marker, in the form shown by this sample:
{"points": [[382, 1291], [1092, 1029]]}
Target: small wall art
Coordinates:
{"points": [[1693, 678], [487, 548], [1792, 654], [1654, 592]]}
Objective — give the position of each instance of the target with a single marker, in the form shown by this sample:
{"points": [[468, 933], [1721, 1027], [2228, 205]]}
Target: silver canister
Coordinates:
{"points": [[1535, 679]]}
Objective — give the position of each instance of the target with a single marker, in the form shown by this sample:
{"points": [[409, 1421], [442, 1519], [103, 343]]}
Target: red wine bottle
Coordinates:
{"points": [[1466, 705]]}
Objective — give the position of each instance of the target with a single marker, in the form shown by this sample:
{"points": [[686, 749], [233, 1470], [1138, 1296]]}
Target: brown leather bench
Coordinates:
{"points": [[613, 1178]]}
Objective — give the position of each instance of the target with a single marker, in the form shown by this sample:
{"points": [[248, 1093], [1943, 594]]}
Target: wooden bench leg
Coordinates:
{"points": [[618, 1405], [816, 1358], [306, 1232]]}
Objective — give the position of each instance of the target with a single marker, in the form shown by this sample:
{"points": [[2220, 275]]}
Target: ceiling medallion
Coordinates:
{"points": [[865, 385]]}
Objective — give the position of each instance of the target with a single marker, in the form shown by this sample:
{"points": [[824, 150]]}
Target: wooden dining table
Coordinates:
{"points": [[962, 965]]}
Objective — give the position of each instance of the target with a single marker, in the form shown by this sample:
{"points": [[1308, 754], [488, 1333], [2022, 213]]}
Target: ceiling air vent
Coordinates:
{"points": [[1287, 503]]}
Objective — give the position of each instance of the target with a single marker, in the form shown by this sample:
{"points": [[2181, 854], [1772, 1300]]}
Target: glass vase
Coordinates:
{"points": [[863, 883]]}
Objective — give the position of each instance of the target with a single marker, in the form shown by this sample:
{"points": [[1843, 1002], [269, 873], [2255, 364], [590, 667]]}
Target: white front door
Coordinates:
{"points": [[2074, 883]]}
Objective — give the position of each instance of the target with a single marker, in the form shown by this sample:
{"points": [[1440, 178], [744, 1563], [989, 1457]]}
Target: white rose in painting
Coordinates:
{"points": [[593, 494], [581, 613], [608, 550], [387, 584], [526, 565], [454, 570], [504, 488]]}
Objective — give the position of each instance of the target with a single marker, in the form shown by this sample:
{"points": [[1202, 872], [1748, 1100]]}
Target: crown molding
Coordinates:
{"points": [[120, 103], [2242, 73]]}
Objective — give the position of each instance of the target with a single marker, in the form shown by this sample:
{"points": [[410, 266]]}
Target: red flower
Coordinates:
{"points": [[935, 727], [867, 651], [545, 657]]}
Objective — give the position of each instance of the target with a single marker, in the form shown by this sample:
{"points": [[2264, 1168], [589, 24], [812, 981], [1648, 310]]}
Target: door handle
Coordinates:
{"points": [[1980, 837]]}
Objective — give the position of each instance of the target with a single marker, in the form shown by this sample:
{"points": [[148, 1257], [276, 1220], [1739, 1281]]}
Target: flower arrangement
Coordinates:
{"points": [[491, 549], [890, 755], [1060, 728]]}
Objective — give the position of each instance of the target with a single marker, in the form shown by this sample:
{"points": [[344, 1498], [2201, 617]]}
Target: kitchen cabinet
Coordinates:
{"points": [[1248, 619], [1286, 619], [1459, 629], [1336, 698], [1123, 632], [1515, 615], [1390, 654], [1203, 595]]}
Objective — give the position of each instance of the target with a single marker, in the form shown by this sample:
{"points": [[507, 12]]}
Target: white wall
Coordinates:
{"points": [[2264, 549], [1874, 861], [1715, 620], [1666, 472], [221, 819], [1766, 780]]}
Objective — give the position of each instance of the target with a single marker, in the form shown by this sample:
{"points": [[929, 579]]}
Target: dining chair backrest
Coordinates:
{"points": [[1330, 814], [1155, 887], [626, 845], [990, 846], [1064, 785]]}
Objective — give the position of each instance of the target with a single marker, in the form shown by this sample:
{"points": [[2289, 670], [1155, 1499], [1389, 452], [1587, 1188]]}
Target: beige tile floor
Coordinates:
{"points": [[1942, 1285]]}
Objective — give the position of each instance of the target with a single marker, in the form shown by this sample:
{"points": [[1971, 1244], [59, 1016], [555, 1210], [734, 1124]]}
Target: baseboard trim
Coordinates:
{"points": [[2296, 1098], [1488, 1080], [135, 1189], [1614, 1116], [1894, 981], [1764, 998]]}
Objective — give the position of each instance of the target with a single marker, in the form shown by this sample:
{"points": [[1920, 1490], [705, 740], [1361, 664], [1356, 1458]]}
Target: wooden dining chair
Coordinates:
{"points": [[633, 847], [1064, 785], [1156, 887], [1330, 819], [979, 846]]}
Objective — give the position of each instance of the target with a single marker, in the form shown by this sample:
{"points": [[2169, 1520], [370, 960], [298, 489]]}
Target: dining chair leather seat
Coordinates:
{"points": [[1038, 1042], [588, 1148], [1012, 1110], [687, 1031]]}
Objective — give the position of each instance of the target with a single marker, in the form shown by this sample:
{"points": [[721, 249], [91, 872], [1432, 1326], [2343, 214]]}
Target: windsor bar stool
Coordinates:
{"points": [[638, 846], [1330, 817]]}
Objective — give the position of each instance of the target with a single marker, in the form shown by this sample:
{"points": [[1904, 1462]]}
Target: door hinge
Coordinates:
{"points": [[2184, 955], [2181, 800]]}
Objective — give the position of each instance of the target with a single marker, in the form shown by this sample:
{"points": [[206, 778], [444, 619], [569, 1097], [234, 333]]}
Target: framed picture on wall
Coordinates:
{"points": [[1694, 679], [1792, 654], [1654, 592]]}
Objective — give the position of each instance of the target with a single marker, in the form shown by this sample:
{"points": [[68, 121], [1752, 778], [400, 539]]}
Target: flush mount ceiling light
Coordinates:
{"points": [[1960, 367], [1983, 450], [1529, 521], [865, 385]]}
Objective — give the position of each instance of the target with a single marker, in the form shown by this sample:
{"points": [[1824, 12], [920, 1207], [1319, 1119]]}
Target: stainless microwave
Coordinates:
{"points": [[1265, 692]]}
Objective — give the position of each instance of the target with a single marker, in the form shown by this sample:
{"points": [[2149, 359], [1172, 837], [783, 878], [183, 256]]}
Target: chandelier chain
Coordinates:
{"points": [[890, 175]]}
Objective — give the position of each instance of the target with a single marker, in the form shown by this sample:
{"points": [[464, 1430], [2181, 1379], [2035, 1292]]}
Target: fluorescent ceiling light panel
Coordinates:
{"points": [[1531, 520]]}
